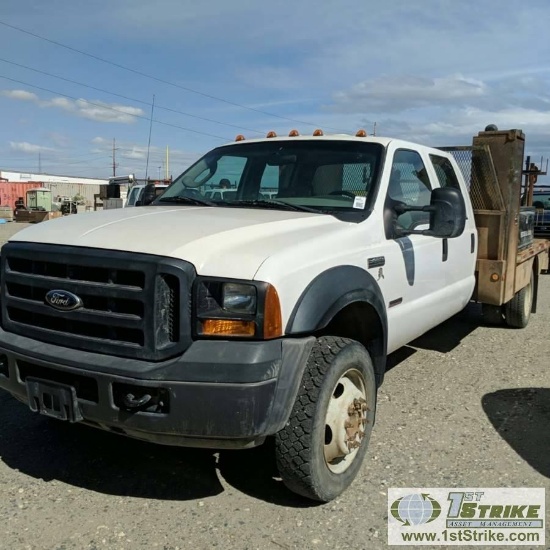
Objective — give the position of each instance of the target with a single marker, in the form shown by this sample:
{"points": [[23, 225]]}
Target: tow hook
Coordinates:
{"points": [[130, 401]]}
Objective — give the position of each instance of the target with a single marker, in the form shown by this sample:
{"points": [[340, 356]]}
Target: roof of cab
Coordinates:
{"points": [[384, 141], [326, 137]]}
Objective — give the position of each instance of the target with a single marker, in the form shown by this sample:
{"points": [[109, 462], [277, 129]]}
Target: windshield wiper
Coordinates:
{"points": [[188, 200], [275, 204]]}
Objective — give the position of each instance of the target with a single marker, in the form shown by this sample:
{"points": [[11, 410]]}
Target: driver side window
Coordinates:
{"points": [[409, 184]]}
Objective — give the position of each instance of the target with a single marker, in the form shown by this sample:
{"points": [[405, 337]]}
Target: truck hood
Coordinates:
{"points": [[232, 242]]}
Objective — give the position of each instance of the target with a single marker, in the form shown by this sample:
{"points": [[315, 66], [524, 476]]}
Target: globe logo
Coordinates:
{"points": [[415, 509]]}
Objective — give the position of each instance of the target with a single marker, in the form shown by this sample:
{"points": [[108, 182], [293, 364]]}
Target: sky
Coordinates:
{"points": [[75, 75]]}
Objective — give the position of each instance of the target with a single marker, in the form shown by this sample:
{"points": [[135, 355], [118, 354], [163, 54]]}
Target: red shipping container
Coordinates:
{"points": [[11, 191]]}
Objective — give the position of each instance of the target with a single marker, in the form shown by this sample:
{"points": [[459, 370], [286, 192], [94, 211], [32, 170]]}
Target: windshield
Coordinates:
{"points": [[321, 176]]}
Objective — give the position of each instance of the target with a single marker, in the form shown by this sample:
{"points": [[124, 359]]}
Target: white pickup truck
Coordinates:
{"points": [[230, 321]]}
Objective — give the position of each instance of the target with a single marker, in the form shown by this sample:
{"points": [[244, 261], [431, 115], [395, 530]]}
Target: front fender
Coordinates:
{"points": [[332, 291]]}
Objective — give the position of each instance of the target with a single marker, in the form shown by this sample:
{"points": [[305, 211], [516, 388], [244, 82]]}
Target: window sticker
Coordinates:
{"points": [[360, 202]]}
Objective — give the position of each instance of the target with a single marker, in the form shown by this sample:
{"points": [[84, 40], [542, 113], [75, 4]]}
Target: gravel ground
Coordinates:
{"points": [[463, 406], [9, 229]]}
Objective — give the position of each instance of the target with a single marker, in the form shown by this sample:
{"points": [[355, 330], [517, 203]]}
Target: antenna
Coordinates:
{"points": [[374, 129], [149, 142]]}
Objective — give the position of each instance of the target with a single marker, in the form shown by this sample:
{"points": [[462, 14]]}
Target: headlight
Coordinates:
{"points": [[247, 309], [239, 298]]}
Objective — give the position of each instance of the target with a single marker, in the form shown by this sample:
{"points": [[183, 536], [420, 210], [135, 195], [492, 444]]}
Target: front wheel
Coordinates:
{"points": [[320, 450]]}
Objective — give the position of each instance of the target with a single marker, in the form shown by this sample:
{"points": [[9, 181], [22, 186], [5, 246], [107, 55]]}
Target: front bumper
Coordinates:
{"points": [[218, 394]]}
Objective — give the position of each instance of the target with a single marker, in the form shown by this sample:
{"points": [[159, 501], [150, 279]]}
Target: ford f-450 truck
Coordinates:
{"points": [[219, 323]]}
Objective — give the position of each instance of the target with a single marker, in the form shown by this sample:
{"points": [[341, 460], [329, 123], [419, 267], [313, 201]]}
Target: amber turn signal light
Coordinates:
{"points": [[227, 327], [273, 323], [494, 277]]}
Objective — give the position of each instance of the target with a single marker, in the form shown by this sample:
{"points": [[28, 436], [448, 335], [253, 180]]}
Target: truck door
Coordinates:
{"points": [[415, 283], [461, 252]]}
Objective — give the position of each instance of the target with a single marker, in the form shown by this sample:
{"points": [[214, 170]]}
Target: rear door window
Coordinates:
{"points": [[444, 171]]}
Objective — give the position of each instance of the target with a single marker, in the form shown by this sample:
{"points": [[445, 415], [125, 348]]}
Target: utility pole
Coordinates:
{"points": [[39, 163], [114, 162], [149, 142]]}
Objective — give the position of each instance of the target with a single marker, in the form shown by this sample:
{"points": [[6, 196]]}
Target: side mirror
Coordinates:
{"points": [[148, 195], [447, 213]]}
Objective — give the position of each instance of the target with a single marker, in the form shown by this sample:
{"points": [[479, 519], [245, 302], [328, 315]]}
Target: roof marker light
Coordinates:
{"points": [[240, 137], [361, 133], [271, 134], [318, 132], [293, 133]]}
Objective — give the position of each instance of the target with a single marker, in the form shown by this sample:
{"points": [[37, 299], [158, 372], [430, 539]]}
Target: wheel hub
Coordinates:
{"points": [[345, 421], [355, 425]]}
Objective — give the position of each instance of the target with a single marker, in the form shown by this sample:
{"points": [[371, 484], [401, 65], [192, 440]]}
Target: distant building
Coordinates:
{"points": [[13, 176], [14, 186]]}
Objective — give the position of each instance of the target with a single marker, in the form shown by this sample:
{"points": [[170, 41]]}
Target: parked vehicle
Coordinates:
{"points": [[268, 193], [136, 192], [218, 325], [220, 194], [541, 203]]}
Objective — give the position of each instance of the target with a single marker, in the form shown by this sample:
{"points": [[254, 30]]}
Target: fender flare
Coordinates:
{"points": [[329, 293]]}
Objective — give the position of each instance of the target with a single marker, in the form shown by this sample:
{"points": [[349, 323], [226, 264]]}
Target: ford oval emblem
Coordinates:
{"points": [[63, 300]]}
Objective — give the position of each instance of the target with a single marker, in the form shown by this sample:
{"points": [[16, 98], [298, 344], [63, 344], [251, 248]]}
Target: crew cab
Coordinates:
{"points": [[229, 321]]}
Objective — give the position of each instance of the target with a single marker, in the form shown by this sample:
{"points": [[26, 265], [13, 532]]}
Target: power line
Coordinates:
{"points": [[101, 159], [129, 98], [140, 73], [113, 109]]}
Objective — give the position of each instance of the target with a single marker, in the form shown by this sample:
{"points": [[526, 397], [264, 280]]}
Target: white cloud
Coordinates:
{"points": [[21, 95], [58, 139], [135, 152], [107, 112], [30, 148], [97, 110], [399, 93], [458, 126], [98, 140]]}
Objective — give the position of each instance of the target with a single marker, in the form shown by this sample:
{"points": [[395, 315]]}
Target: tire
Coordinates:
{"points": [[320, 450], [518, 310], [492, 315]]}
